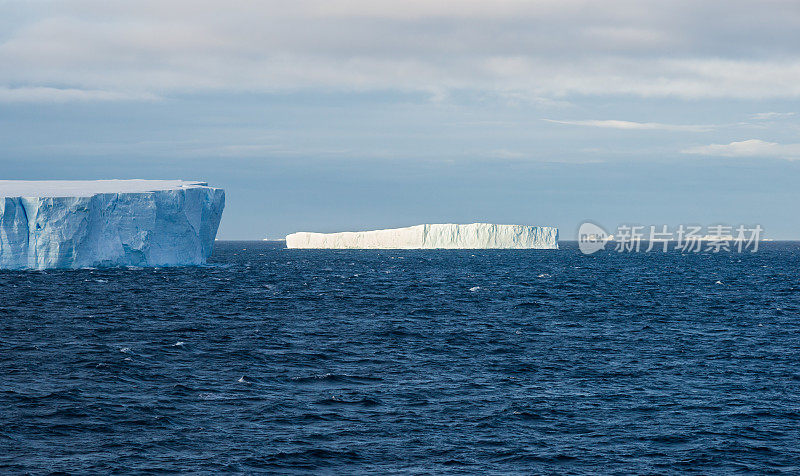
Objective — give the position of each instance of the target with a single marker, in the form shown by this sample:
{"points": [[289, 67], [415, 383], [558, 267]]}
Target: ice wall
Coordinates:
{"points": [[474, 236], [62, 224]]}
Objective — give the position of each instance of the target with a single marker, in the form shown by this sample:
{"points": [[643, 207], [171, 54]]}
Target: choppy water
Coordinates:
{"points": [[413, 361]]}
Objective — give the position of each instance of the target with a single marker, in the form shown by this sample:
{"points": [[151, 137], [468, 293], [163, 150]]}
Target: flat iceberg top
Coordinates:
{"points": [[433, 236], [88, 188]]}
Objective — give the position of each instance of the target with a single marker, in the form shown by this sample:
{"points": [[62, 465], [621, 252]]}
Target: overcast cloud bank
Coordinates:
{"points": [[142, 50]]}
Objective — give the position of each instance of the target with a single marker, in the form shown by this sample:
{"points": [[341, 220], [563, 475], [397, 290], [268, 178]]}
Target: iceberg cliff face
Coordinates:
{"points": [[55, 224], [474, 236]]}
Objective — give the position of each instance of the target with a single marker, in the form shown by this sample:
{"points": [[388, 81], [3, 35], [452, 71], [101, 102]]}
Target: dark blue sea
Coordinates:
{"points": [[343, 362]]}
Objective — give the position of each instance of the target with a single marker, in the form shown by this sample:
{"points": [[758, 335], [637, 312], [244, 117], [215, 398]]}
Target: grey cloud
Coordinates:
{"points": [[543, 49], [58, 95]]}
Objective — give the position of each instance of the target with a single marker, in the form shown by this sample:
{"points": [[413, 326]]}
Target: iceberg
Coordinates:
{"points": [[436, 236], [78, 224]]}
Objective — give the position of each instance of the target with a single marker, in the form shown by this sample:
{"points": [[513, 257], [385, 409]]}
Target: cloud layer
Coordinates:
{"points": [[636, 126], [749, 148], [548, 48]]}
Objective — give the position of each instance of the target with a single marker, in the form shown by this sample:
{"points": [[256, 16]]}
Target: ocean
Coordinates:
{"points": [[391, 362]]}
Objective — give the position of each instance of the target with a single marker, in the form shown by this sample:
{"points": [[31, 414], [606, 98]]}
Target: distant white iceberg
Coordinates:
{"points": [[437, 236], [75, 224]]}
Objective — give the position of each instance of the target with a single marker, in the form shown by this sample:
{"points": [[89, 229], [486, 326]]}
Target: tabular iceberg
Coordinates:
{"points": [[451, 236], [76, 224]]}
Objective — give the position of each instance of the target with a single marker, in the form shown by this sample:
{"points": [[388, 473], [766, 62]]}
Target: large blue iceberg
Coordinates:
{"points": [[77, 224]]}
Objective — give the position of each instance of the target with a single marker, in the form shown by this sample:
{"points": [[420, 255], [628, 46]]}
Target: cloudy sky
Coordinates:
{"points": [[330, 115]]}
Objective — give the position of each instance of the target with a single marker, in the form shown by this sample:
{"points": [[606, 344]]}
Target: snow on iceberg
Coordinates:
{"points": [[76, 224], [474, 236]]}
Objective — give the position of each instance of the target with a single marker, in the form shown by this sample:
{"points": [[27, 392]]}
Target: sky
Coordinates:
{"points": [[334, 115]]}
